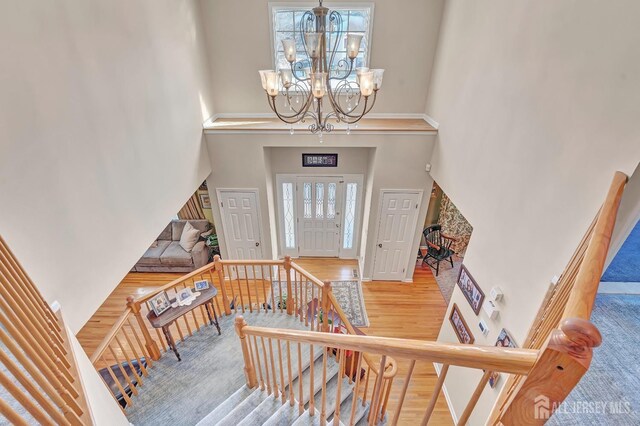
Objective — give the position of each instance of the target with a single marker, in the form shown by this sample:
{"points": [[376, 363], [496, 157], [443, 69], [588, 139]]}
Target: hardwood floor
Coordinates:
{"points": [[408, 310]]}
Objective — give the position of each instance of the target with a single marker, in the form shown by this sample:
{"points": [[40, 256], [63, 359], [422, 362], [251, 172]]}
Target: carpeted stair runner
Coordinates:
{"points": [[247, 407]]}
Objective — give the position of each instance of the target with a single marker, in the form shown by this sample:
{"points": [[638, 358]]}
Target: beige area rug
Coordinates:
{"points": [[349, 295]]}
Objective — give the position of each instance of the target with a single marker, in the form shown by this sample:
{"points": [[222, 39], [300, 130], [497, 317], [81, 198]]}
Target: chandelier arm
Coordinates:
{"points": [[354, 119], [335, 104], [289, 119], [334, 15], [299, 65], [305, 94]]}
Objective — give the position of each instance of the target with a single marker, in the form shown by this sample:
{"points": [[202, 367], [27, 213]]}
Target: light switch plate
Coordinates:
{"points": [[483, 327]]}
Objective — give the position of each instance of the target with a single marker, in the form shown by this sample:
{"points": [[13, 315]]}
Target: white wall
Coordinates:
{"points": [[241, 161], [404, 38], [538, 106], [100, 136], [103, 408]]}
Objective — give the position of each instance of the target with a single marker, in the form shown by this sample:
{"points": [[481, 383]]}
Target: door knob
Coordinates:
{"points": [[257, 244], [380, 245]]}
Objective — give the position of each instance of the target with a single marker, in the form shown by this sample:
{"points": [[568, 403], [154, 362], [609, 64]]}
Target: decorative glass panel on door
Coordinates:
{"points": [[331, 201], [307, 200], [350, 215], [289, 220], [319, 200]]}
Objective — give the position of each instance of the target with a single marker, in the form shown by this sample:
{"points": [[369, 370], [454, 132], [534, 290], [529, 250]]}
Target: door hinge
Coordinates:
{"points": [[221, 205], [340, 181], [416, 206], [403, 270]]}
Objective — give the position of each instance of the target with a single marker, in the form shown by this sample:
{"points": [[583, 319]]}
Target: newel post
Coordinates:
{"points": [[218, 267], [249, 370], [290, 295], [326, 305], [562, 362], [149, 343]]}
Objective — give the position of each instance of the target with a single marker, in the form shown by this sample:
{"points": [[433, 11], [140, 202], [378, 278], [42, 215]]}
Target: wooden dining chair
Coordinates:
{"points": [[438, 246]]}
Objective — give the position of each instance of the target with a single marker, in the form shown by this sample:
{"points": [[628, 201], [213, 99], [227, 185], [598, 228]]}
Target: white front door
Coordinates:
{"points": [[239, 212], [319, 209], [398, 220]]}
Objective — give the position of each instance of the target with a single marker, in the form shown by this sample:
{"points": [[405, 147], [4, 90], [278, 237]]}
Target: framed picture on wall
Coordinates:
{"points": [[472, 292], [504, 340], [460, 326], [205, 201]]}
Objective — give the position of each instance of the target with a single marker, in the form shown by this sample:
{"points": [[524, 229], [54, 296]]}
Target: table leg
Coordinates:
{"points": [[206, 306], [172, 343], [215, 316]]}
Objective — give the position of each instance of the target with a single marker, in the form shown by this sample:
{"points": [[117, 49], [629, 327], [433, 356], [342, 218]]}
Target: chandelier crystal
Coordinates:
{"points": [[302, 91]]}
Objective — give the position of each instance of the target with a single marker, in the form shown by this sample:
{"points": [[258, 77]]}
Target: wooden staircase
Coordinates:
{"points": [[282, 389], [249, 407]]}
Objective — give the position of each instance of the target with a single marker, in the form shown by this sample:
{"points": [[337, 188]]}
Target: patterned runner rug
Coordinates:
{"points": [[347, 293]]}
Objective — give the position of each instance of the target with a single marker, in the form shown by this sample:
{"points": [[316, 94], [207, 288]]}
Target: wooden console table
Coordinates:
{"points": [[168, 317]]}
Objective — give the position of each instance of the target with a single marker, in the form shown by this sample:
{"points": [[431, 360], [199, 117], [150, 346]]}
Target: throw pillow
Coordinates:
{"points": [[189, 237], [207, 233]]}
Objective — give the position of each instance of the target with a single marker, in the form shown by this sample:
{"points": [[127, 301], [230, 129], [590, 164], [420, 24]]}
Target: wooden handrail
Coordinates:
{"points": [[505, 360], [583, 295], [308, 275], [255, 262], [177, 281], [370, 362], [106, 341]]}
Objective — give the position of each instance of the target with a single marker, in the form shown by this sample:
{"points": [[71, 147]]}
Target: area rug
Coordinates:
{"points": [[625, 267], [447, 277], [608, 393], [348, 294]]}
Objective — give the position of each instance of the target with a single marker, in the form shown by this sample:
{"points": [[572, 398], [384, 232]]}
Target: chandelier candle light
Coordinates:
{"points": [[308, 81]]}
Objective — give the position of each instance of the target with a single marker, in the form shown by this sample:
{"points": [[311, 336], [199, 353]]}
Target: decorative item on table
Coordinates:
{"points": [[460, 326], [201, 285], [159, 303], [472, 292], [185, 297], [504, 341]]}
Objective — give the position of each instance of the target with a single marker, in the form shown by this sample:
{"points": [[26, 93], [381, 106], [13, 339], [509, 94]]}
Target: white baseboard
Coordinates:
{"points": [[619, 288], [407, 280], [365, 279], [454, 416]]}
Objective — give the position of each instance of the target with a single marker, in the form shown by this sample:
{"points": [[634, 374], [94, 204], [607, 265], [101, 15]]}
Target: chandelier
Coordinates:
{"points": [[320, 78]]}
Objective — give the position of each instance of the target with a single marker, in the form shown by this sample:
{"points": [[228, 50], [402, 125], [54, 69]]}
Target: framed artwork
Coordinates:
{"points": [[319, 160], [205, 201], [201, 285], [460, 326], [505, 341], [159, 303], [472, 292]]}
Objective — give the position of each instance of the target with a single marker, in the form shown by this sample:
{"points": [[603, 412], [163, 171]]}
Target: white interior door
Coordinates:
{"points": [[239, 211], [398, 220], [319, 209]]}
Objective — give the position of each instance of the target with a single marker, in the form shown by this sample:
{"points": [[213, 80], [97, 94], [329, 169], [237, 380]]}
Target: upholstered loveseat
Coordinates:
{"points": [[166, 254]]}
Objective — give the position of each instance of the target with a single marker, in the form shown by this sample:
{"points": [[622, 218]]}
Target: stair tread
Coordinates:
{"points": [[244, 408], [332, 370], [226, 407], [331, 391], [262, 412], [345, 409], [286, 415]]}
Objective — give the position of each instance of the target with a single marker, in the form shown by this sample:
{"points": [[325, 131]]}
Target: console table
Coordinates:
{"points": [[169, 316]]}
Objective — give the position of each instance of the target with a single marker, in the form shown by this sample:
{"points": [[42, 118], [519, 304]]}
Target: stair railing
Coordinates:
{"points": [[264, 369], [39, 371], [562, 331]]}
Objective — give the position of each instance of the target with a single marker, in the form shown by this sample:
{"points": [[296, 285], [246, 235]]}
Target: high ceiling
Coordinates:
{"points": [[238, 36]]}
